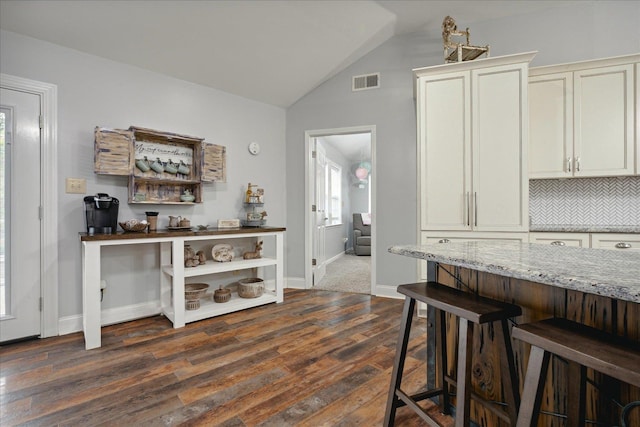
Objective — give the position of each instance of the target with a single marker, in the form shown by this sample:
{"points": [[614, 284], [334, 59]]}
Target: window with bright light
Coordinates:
{"points": [[334, 193]]}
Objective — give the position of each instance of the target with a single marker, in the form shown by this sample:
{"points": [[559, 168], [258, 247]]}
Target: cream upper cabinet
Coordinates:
{"points": [[550, 125], [444, 120], [472, 144], [582, 119]]}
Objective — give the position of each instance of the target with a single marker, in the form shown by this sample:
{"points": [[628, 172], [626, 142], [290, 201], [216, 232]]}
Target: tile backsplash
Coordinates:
{"points": [[585, 201]]}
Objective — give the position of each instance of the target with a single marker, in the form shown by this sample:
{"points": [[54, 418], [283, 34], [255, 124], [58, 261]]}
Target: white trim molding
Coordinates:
{"points": [[308, 191], [111, 316], [48, 94]]}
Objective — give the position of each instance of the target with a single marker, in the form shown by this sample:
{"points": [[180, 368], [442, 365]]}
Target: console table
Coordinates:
{"points": [[173, 273]]}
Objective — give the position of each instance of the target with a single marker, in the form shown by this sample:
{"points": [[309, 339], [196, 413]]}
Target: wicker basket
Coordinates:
{"points": [[134, 225], [195, 291], [192, 294], [253, 287]]}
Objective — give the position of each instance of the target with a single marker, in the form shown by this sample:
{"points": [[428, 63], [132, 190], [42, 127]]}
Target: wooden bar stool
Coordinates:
{"points": [[583, 347], [471, 310]]}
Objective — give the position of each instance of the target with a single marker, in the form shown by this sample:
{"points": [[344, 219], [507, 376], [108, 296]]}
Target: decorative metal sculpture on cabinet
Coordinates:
{"points": [[458, 52]]}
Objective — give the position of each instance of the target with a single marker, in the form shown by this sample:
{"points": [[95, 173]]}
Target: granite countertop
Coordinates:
{"points": [[609, 273], [567, 228]]}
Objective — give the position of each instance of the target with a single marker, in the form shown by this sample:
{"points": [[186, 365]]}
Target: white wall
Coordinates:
{"points": [[586, 30], [94, 91]]}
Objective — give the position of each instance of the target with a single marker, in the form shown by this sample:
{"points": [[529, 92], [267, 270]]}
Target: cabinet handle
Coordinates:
{"points": [[475, 209], [558, 243], [623, 245], [444, 241], [467, 213], [578, 164], [568, 164]]}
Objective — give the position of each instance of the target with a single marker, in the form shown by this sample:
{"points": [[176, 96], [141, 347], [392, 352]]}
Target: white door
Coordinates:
{"points": [[320, 214], [20, 216]]}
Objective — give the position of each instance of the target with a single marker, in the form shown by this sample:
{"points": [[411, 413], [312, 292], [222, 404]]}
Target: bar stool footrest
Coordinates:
{"points": [[411, 402]]}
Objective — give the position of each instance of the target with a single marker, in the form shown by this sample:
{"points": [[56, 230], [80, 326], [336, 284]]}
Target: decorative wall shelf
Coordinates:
{"points": [[161, 166]]}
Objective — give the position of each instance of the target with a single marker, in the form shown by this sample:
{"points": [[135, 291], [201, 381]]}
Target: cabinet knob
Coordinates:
{"points": [[623, 245], [558, 243], [444, 241]]}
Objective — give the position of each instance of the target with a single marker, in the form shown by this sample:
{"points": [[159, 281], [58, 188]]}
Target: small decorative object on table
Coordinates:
{"points": [[222, 252], [253, 287], [229, 223], [152, 219], [222, 295], [255, 254], [134, 225], [193, 258], [252, 201], [192, 294]]}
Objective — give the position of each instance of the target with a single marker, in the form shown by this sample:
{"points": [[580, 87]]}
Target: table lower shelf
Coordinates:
{"points": [[209, 308]]}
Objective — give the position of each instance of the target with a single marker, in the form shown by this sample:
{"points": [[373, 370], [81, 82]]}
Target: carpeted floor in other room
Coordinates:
{"points": [[349, 273]]}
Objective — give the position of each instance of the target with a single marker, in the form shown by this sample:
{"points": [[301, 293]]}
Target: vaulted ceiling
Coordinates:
{"points": [[269, 51]]}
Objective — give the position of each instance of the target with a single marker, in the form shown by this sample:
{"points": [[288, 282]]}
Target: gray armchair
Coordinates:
{"points": [[361, 236]]}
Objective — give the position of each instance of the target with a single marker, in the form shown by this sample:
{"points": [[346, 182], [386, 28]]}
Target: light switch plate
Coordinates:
{"points": [[76, 186]]}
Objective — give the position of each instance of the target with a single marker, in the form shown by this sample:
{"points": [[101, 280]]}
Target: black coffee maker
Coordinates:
{"points": [[101, 212]]}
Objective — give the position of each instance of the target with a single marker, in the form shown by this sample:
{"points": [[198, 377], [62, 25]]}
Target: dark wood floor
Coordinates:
{"points": [[318, 359]]}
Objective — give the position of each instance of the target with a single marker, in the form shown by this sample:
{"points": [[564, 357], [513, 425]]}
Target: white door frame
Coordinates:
{"points": [[308, 199], [48, 94]]}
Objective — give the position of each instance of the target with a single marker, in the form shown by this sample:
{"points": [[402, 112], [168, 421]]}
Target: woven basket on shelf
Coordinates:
{"points": [[253, 287], [134, 225], [222, 295]]}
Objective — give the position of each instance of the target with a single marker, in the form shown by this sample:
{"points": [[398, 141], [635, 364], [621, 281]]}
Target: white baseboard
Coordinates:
{"points": [[295, 283], [110, 316], [335, 258], [388, 291]]}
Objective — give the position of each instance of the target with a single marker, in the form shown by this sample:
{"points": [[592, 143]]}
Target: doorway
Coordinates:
{"points": [[30, 234], [339, 157]]}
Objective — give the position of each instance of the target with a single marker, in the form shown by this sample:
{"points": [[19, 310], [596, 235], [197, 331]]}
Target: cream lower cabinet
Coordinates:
{"points": [[582, 119], [617, 241], [472, 145], [448, 237], [580, 240]]}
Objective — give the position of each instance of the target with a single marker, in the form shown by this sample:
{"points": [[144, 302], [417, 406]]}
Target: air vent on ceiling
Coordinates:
{"points": [[366, 81]]}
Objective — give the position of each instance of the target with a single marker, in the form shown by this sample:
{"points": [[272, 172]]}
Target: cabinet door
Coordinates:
{"points": [[113, 150], [214, 163], [500, 148], [604, 121], [444, 151], [580, 240], [621, 242], [551, 125]]}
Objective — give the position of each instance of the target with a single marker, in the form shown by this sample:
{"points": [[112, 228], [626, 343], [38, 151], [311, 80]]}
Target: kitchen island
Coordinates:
{"points": [[599, 288]]}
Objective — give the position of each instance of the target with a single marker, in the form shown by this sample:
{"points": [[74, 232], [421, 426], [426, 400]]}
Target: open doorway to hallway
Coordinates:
{"points": [[341, 194]]}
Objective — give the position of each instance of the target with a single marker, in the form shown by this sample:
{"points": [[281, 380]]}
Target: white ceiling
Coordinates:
{"points": [[354, 147], [270, 51]]}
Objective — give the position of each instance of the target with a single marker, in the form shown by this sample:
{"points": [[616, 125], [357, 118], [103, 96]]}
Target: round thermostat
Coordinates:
{"points": [[254, 148]]}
